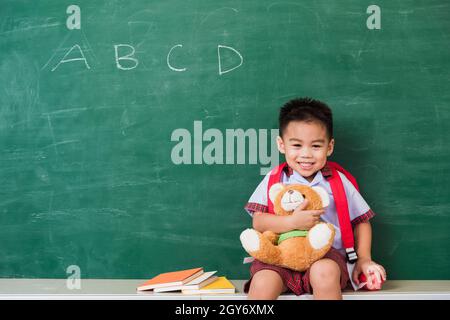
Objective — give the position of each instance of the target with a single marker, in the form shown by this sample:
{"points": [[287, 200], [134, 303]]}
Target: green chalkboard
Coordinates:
{"points": [[132, 137]]}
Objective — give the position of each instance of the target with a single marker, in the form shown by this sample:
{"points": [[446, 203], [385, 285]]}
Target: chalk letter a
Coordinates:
{"points": [[74, 279], [74, 20], [82, 58], [374, 20]]}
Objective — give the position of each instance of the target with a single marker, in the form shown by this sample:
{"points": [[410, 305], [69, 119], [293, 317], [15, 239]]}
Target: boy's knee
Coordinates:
{"points": [[324, 273], [266, 284]]}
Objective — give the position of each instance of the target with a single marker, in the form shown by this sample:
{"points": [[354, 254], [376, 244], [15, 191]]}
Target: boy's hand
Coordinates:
{"points": [[374, 273], [304, 219]]}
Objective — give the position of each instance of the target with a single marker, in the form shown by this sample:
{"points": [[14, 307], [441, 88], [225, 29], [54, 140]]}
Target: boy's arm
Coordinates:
{"points": [[300, 219], [360, 214], [363, 240], [269, 222]]}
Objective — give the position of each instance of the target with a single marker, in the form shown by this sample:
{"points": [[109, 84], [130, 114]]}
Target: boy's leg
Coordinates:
{"points": [[325, 280], [266, 285]]}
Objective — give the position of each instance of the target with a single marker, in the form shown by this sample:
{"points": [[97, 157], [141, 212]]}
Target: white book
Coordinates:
{"points": [[195, 284]]}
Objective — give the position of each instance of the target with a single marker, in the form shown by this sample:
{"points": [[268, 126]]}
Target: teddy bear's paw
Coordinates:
{"points": [[320, 236], [250, 240]]}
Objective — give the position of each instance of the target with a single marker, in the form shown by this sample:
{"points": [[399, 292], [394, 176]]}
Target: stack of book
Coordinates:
{"points": [[190, 281]]}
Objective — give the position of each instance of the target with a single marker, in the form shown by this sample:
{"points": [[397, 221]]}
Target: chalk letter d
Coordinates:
{"points": [[219, 47]]}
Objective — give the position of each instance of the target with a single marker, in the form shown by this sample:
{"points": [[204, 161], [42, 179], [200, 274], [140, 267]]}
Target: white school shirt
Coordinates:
{"points": [[359, 210]]}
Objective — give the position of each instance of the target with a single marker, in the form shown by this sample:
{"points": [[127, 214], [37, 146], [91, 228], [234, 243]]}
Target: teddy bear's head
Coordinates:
{"points": [[286, 198]]}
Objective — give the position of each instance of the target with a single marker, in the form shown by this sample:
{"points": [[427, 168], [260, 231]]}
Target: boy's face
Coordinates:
{"points": [[306, 147]]}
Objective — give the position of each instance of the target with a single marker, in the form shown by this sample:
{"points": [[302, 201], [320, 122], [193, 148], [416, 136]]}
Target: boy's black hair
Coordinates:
{"points": [[306, 109]]}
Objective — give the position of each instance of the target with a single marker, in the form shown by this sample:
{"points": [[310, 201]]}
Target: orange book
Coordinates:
{"points": [[174, 278]]}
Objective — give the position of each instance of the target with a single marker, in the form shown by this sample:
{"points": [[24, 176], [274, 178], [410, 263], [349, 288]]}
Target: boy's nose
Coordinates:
{"points": [[306, 153]]}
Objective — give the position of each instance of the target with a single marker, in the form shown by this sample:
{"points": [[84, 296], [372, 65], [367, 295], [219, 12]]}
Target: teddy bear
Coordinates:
{"points": [[296, 250]]}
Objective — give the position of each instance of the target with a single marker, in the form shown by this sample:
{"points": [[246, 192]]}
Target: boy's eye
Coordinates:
{"points": [[297, 145], [317, 146]]}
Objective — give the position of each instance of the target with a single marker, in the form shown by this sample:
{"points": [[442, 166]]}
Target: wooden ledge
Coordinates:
{"points": [[118, 289]]}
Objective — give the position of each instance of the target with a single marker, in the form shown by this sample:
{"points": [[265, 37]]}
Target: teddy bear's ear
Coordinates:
{"points": [[323, 195], [274, 190]]}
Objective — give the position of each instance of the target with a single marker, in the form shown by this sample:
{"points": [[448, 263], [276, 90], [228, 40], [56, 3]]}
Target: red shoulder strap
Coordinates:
{"points": [[347, 174], [340, 200], [275, 177]]}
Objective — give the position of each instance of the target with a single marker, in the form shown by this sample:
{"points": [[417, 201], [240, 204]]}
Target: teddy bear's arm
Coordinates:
{"points": [[271, 236]]}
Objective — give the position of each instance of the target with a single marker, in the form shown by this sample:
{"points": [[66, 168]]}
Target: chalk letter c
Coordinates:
{"points": [[168, 58]]}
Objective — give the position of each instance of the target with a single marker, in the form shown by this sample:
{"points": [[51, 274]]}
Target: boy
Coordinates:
{"points": [[306, 140]]}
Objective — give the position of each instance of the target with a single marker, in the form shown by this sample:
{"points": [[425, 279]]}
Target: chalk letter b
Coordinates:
{"points": [[126, 57]]}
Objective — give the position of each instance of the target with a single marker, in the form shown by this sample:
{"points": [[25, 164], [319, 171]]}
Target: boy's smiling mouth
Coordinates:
{"points": [[306, 165]]}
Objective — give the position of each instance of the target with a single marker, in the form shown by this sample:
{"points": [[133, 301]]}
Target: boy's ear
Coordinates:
{"points": [[280, 144], [330, 148]]}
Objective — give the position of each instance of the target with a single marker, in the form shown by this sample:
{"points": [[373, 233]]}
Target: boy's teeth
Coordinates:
{"points": [[306, 164]]}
